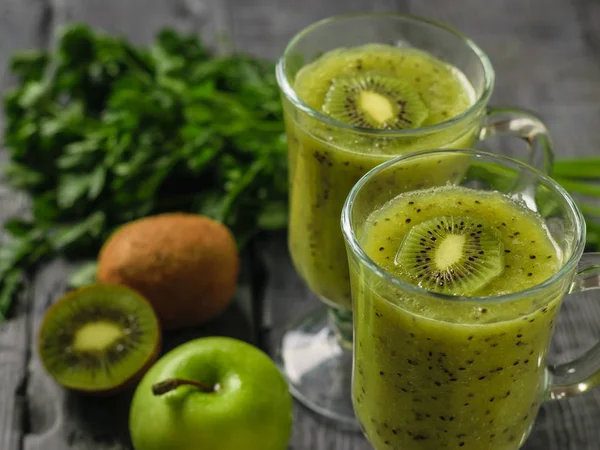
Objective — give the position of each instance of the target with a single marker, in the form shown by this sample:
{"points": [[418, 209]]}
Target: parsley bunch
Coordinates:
{"points": [[100, 133]]}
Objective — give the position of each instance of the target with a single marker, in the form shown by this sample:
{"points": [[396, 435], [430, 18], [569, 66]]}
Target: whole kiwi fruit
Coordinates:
{"points": [[186, 265]]}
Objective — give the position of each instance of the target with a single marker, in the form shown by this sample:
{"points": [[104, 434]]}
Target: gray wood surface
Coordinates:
{"points": [[547, 57]]}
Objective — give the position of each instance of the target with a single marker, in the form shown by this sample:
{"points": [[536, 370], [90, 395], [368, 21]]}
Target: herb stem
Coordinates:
{"points": [[589, 210], [584, 168], [579, 187]]}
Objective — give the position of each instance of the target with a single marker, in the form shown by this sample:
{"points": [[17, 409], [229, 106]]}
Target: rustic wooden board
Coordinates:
{"points": [[59, 419], [24, 24], [52, 417], [547, 58], [542, 58]]}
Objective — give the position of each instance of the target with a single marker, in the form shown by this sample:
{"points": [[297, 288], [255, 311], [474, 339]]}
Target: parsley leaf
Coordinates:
{"points": [[100, 133]]}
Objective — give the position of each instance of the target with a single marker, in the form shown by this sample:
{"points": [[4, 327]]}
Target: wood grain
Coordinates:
{"points": [[263, 27], [59, 419], [547, 58], [24, 24], [542, 58]]}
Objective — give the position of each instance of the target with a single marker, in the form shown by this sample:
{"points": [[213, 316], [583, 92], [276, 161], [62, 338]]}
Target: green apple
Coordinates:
{"points": [[212, 393]]}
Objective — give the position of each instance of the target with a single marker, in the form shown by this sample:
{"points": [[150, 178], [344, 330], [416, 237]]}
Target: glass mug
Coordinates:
{"points": [[314, 352], [429, 372]]}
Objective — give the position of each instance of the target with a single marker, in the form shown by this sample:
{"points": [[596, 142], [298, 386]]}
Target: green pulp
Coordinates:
{"points": [[433, 373], [326, 161]]}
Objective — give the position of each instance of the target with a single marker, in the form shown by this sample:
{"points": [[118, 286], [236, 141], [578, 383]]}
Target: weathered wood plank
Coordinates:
{"points": [[263, 27], [59, 419], [23, 24], [13, 356], [588, 12], [139, 20], [571, 423], [542, 61], [545, 60]]}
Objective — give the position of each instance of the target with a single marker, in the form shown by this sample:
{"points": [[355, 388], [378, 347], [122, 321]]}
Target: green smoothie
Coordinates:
{"points": [[372, 87], [434, 373]]}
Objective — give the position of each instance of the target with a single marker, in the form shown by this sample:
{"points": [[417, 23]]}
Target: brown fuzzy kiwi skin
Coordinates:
{"points": [[186, 265], [131, 381]]}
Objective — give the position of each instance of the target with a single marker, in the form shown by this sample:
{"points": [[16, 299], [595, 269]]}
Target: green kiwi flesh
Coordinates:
{"points": [[451, 255], [375, 101], [99, 338]]}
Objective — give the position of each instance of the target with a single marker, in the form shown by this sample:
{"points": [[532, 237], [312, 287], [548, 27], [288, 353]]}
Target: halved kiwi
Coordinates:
{"points": [[452, 255], [99, 338], [375, 101]]}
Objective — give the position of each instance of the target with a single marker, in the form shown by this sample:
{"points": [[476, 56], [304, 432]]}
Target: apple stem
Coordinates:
{"points": [[173, 383]]}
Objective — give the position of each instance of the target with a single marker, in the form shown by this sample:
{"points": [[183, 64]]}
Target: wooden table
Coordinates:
{"points": [[547, 57]]}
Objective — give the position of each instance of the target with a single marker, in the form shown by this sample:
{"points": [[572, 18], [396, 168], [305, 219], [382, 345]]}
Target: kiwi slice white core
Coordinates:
{"points": [[376, 101], [452, 255], [379, 107], [97, 336]]}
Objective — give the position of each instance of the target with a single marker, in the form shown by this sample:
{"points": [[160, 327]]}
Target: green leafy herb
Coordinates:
{"points": [[100, 133]]}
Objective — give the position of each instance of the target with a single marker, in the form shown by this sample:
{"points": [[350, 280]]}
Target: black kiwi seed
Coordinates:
{"points": [[375, 101], [458, 255]]}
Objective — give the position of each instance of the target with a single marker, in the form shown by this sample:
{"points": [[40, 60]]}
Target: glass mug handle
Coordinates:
{"points": [[524, 125], [583, 373]]}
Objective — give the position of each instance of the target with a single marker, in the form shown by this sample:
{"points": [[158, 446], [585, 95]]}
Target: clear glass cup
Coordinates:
{"points": [[314, 352], [482, 402]]}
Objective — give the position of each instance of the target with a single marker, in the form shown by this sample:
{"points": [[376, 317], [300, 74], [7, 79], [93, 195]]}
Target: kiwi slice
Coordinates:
{"points": [[99, 338], [375, 101], [452, 255]]}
